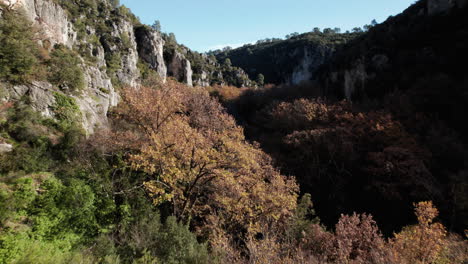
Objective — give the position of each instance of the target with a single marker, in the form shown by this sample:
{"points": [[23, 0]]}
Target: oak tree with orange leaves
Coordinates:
{"points": [[198, 160]]}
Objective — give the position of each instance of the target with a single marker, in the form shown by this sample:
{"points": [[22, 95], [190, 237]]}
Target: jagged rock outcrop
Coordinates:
{"points": [[99, 94], [180, 68], [50, 18], [203, 80], [354, 78], [424, 64], [4, 148], [311, 58], [151, 49], [289, 61], [128, 73], [109, 54], [93, 103], [40, 95]]}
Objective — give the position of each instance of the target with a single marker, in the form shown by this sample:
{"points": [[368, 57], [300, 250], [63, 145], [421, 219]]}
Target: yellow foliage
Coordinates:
{"points": [[197, 158], [424, 242]]}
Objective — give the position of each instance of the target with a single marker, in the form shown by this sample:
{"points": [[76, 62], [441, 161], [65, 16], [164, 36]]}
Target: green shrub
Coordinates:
{"points": [[31, 138], [18, 50], [176, 244], [126, 43], [64, 69], [114, 62], [66, 111]]}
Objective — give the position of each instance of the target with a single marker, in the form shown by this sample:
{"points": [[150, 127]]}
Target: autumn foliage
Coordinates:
{"points": [[356, 239], [197, 160], [422, 243]]}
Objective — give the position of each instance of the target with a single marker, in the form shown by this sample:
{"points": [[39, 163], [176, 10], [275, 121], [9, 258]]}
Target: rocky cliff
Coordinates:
{"points": [[151, 48], [426, 42], [289, 61], [111, 45]]}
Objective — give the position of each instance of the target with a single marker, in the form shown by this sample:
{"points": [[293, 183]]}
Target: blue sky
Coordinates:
{"points": [[210, 24]]}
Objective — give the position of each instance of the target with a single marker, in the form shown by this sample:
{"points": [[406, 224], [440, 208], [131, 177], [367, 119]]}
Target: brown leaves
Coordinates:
{"points": [[424, 242], [357, 238], [197, 159]]}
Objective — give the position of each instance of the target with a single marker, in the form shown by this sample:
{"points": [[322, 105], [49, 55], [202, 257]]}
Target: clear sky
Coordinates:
{"points": [[211, 24]]}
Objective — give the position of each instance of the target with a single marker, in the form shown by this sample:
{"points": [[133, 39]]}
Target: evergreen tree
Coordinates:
{"points": [[18, 50], [260, 79], [157, 25], [227, 62]]}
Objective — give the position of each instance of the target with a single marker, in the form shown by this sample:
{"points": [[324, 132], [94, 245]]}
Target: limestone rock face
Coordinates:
{"points": [[40, 95], [113, 55], [151, 49], [4, 148], [311, 60], [50, 18], [180, 68], [95, 102], [203, 81], [354, 79], [129, 73], [99, 94]]}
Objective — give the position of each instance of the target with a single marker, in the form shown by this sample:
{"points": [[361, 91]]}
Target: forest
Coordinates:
{"points": [[267, 173]]}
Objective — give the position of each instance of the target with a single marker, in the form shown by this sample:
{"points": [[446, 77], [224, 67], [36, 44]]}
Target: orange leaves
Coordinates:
{"points": [[357, 240], [424, 242], [426, 212], [197, 159]]}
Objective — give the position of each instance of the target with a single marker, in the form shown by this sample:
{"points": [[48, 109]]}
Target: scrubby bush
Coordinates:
{"points": [[64, 67], [67, 112], [18, 49]]}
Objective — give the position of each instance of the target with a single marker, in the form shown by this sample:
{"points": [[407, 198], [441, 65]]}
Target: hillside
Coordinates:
{"points": [[120, 145], [289, 61], [111, 49], [398, 138]]}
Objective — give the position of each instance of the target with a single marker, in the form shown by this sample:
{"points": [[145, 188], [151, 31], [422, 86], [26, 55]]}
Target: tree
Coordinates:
{"points": [[227, 63], [172, 38], [328, 31], [260, 79], [424, 242], [64, 69], [18, 49], [357, 30], [357, 238], [337, 30], [374, 23], [196, 159], [156, 26], [115, 3], [317, 30]]}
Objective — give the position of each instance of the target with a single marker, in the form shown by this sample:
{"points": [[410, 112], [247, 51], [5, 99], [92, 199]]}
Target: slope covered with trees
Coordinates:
{"points": [[277, 60], [401, 139], [172, 177]]}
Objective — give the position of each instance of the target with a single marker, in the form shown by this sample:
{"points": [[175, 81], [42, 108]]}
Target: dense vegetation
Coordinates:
{"points": [[277, 59], [207, 68], [422, 85], [133, 194], [18, 51], [173, 178]]}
